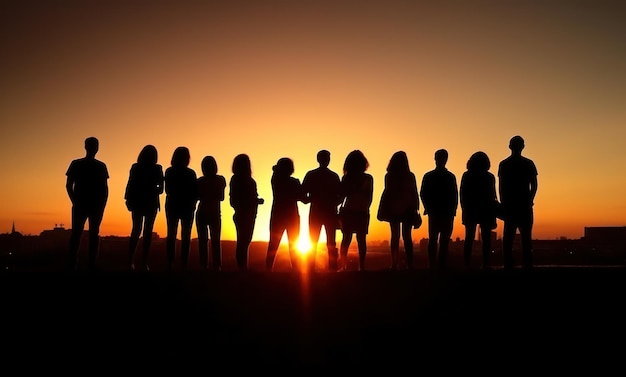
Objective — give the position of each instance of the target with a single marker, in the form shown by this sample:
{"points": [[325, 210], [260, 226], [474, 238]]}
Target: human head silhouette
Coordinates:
{"points": [[441, 157], [181, 157], [91, 146], [284, 167], [148, 155], [323, 158], [516, 144], [355, 162], [242, 165], [479, 161], [398, 163], [209, 166]]}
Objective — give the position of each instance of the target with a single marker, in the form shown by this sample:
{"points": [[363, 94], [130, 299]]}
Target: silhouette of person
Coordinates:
{"points": [[323, 188], [399, 205], [211, 188], [143, 189], [244, 199], [181, 196], [477, 193], [357, 188], [440, 196], [517, 177], [87, 188], [284, 217]]}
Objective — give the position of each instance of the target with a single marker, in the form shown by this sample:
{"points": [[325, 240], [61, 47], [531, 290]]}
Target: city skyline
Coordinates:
{"points": [[598, 232], [601, 247]]}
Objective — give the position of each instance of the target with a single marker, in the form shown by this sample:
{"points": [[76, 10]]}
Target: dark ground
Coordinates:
{"points": [[548, 320]]}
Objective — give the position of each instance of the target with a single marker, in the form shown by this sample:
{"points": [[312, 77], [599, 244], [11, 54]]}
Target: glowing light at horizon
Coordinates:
{"points": [[304, 245]]}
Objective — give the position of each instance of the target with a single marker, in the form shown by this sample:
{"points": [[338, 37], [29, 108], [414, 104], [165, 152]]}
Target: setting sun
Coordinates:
{"points": [[304, 245]]}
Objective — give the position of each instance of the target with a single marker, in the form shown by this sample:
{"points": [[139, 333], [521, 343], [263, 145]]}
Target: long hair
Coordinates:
{"points": [[399, 163], [148, 155], [181, 157], [355, 162]]}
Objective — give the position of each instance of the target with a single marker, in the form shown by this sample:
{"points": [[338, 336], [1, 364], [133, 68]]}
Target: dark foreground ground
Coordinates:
{"points": [[544, 321]]}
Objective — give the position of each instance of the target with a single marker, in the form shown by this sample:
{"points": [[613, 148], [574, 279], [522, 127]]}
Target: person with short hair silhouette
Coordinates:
{"points": [[399, 206], [87, 188], [181, 196], [244, 199], [284, 217], [517, 177], [477, 193], [142, 196], [322, 187], [439, 194], [211, 187], [357, 187]]}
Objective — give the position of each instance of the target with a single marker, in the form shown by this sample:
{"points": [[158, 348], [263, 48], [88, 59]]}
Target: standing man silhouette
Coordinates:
{"points": [[87, 188], [517, 187], [440, 196], [323, 189]]}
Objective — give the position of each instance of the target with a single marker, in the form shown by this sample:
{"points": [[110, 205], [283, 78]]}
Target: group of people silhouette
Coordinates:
{"points": [[336, 203]]}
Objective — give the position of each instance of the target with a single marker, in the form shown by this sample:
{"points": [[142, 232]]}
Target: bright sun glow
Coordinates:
{"points": [[304, 245]]}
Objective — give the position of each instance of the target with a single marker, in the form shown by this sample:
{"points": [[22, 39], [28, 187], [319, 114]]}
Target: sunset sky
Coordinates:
{"points": [[287, 78]]}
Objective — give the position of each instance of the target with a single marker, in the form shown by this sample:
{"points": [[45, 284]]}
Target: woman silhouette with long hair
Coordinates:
{"points": [[357, 188], [399, 205], [142, 195], [284, 217], [244, 199], [181, 191]]}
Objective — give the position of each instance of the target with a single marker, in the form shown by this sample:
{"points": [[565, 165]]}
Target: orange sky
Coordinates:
{"points": [[287, 78]]}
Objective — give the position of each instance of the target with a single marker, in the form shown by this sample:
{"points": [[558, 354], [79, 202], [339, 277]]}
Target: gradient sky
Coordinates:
{"points": [[287, 78]]}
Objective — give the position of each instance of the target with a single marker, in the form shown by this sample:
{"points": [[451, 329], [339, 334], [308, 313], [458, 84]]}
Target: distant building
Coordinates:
{"points": [[56, 238], [606, 236], [57, 230]]}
